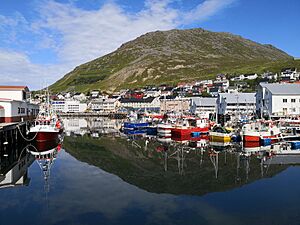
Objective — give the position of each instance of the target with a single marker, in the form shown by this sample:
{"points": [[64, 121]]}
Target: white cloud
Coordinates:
{"points": [[205, 10], [77, 35], [17, 69]]}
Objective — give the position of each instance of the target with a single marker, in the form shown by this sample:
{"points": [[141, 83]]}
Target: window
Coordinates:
{"points": [[284, 100], [293, 100]]}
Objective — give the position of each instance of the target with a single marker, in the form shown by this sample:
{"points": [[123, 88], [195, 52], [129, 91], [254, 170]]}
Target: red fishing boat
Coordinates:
{"points": [[190, 126], [256, 131]]}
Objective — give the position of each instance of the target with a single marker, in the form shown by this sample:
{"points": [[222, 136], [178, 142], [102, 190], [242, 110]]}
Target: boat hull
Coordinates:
{"points": [[178, 132], [45, 136], [256, 138], [219, 137]]}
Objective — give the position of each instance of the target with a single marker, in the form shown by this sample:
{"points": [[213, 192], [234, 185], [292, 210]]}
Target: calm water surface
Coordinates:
{"points": [[116, 180]]}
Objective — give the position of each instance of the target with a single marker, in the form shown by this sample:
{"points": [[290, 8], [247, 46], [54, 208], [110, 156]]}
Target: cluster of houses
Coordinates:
{"points": [[270, 99], [278, 95]]}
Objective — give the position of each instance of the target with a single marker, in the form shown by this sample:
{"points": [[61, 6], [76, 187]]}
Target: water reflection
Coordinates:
{"points": [[117, 179], [15, 163], [178, 167], [14, 168], [91, 126]]}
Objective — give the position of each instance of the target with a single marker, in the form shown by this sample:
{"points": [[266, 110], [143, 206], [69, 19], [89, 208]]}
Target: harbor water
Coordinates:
{"points": [[98, 175]]}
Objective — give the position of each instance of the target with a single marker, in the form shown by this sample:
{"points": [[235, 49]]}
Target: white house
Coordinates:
{"points": [[270, 76], [15, 104], [200, 106], [289, 74], [95, 93], [149, 104], [236, 103], [250, 76], [278, 99], [222, 84], [80, 97], [106, 105], [69, 106]]}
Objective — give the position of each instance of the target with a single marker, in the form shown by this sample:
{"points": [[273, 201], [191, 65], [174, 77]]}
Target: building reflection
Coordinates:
{"points": [[14, 167], [94, 127], [14, 162]]}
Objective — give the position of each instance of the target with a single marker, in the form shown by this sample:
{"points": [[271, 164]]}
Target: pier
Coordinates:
{"points": [[117, 115]]}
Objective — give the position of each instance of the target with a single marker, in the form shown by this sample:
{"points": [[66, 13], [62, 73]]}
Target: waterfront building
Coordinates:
{"points": [[236, 103], [104, 105], [15, 104], [69, 106], [172, 104], [278, 99], [200, 106], [148, 104]]}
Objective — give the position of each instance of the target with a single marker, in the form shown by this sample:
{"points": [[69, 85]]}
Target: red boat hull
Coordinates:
{"points": [[46, 136], [179, 132], [249, 138]]}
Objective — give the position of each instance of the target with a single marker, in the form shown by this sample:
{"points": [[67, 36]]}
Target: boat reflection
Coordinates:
{"points": [[14, 162]]}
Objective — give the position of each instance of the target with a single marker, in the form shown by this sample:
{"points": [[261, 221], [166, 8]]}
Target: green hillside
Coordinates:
{"points": [[174, 56]]}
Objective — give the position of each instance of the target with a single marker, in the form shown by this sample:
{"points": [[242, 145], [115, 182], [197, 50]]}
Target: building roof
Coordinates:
{"points": [[6, 87], [198, 101], [238, 97], [282, 88]]}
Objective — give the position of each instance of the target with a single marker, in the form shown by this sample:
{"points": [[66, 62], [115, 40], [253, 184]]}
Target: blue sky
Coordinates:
{"points": [[41, 40]]}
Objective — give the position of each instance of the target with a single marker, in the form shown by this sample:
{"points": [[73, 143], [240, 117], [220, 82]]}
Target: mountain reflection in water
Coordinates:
{"points": [[170, 168], [103, 177]]}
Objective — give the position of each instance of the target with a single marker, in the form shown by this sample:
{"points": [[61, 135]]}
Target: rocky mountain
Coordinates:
{"points": [[170, 57]]}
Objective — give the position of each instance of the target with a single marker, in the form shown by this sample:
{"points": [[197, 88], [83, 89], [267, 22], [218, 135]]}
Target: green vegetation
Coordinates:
{"points": [[174, 56]]}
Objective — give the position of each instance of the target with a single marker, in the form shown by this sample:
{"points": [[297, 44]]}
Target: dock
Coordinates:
{"points": [[116, 115]]}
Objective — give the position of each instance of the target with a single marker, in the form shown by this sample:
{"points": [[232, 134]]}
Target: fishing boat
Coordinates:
{"points": [[189, 126], [291, 123], [46, 126], [164, 130], [220, 134], [260, 130]]}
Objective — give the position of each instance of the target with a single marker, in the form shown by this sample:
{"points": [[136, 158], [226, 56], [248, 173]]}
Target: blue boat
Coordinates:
{"points": [[151, 130], [135, 125], [295, 144], [135, 132]]}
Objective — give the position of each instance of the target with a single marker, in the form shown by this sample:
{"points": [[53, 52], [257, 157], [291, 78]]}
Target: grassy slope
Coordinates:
{"points": [[173, 56]]}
